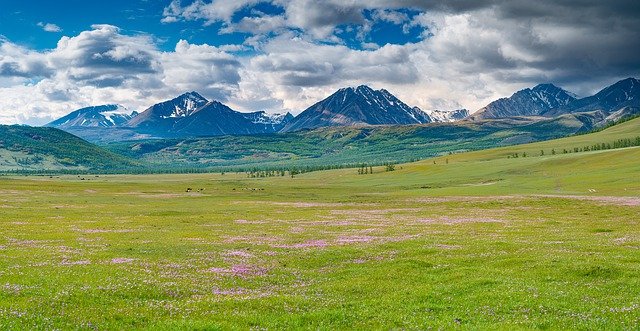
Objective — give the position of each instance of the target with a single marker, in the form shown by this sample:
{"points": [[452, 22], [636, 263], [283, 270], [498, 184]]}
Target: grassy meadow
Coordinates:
{"points": [[476, 240]]}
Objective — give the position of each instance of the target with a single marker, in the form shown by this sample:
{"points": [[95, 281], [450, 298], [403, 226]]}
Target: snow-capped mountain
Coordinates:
{"points": [[262, 117], [215, 119], [443, 116], [619, 99], [190, 114], [273, 122], [527, 102], [104, 116], [162, 116], [357, 106]]}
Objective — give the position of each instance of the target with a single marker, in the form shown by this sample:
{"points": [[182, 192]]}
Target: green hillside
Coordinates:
{"points": [[496, 171], [24, 148], [338, 146]]}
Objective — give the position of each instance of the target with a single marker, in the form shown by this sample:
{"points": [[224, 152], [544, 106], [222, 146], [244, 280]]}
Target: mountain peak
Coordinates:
{"points": [[193, 95], [364, 89], [627, 84], [527, 102], [361, 105], [95, 116], [545, 87]]}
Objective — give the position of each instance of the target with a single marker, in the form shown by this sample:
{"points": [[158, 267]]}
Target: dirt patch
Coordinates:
{"points": [[306, 204], [371, 215], [248, 222], [313, 204], [238, 254], [160, 195], [467, 199], [66, 262], [306, 244], [239, 270], [89, 231], [458, 220], [609, 200], [253, 240]]}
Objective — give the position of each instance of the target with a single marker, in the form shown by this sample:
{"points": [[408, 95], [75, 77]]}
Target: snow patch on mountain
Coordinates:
{"points": [[445, 116], [95, 116]]}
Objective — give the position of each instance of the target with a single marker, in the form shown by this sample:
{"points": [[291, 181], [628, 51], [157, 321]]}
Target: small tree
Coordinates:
{"points": [[390, 167]]}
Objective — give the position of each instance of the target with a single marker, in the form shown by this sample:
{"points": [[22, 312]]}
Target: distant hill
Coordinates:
{"points": [[105, 116], [44, 148], [357, 106]]}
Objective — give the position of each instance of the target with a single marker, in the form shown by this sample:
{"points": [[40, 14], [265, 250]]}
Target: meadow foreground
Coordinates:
{"points": [[470, 242]]}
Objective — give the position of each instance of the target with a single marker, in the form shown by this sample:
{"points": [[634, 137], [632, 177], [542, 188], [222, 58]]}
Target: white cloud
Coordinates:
{"points": [[102, 66], [204, 68], [49, 27], [210, 12], [471, 53]]}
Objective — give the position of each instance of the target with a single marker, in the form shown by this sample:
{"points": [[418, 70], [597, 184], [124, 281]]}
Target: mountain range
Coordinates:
{"points": [[192, 115], [547, 100], [350, 126]]}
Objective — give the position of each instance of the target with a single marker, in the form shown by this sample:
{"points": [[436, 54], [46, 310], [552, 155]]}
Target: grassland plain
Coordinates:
{"points": [[472, 241]]}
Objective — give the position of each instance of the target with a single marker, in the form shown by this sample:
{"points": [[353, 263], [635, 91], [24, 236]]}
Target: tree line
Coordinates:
{"points": [[620, 143]]}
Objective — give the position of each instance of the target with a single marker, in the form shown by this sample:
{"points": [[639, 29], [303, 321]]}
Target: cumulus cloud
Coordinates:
{"points": [[204, 68], [17, 61], [102, 66], [210, 12], [468, 54], [471, 52], [319, 19], [103, 57]]}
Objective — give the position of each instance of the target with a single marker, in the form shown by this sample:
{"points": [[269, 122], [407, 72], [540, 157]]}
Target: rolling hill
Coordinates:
{"points": [[25, 148], [496, 172]]}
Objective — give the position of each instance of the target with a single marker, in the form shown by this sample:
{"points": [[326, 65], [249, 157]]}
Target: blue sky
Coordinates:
{"points": [[24, 24], [285, 55]]}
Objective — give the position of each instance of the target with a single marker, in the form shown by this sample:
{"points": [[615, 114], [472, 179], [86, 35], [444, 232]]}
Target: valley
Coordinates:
{"points": [[319, 165], [352, 127], [471, 240]]}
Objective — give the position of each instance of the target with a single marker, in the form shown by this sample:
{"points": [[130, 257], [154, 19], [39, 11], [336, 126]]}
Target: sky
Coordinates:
{"points": [[286, 55]]}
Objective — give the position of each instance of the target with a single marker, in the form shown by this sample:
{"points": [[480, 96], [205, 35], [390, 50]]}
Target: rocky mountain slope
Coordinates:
{"points": [[357, 106]]}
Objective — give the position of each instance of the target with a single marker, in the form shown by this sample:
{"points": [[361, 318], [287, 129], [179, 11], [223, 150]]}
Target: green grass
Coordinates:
{"points": [[479, 242]]}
